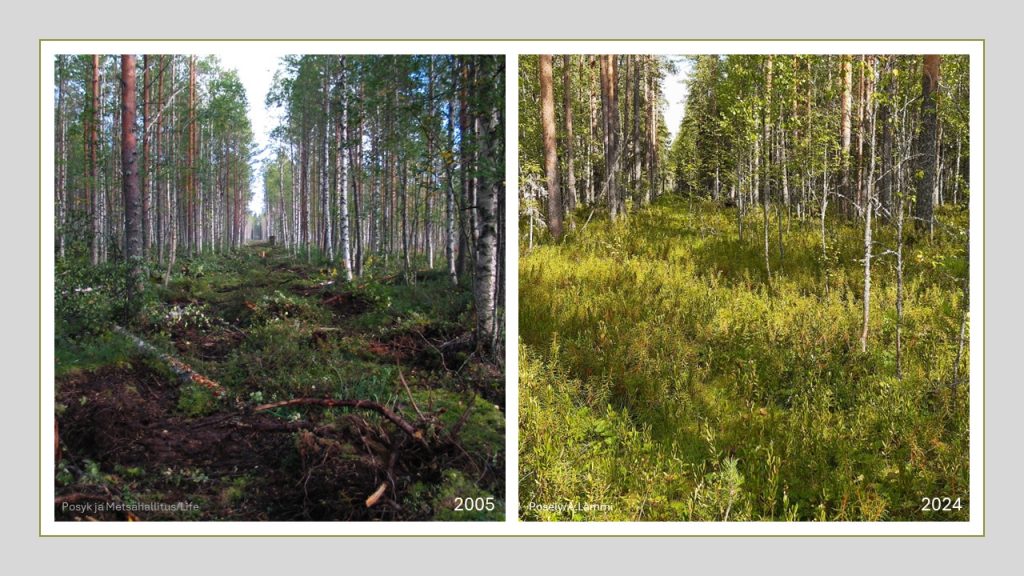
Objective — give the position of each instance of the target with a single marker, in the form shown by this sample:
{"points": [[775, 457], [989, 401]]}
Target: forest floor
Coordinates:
{"points": [[663, 376], [262, 327]]}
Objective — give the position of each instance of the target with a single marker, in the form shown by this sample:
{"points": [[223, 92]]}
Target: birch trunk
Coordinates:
{"points": [[485, 284], [341, 128], [450, 237], [869, 206]]}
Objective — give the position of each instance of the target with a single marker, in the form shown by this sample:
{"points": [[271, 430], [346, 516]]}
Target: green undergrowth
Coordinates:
{"points": [[664, 374], [87, 354], [275, 327], [268, 326]]}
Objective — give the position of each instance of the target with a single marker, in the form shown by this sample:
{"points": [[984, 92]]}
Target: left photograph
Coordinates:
{"points": [[278, 287]]}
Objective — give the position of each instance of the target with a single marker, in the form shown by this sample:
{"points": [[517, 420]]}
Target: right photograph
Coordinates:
{"points": [[744, 287]]}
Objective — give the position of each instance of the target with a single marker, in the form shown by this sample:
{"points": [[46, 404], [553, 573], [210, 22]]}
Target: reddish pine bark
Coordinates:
{"points": [[129, 182], [547, 114]]}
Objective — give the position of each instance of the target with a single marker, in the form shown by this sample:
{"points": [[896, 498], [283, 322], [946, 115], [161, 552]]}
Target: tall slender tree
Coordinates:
{"points": [[610, 115], [92, 181], [869, 200], [325, 201], [341, 182], [547, 110], [926, 143], [450, 209], [489, 167], [845, 115], [570, 144], [147, 222], [130, 183]]}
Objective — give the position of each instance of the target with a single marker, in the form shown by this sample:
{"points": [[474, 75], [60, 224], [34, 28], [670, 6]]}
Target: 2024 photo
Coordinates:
{"points": [[744, 287]]}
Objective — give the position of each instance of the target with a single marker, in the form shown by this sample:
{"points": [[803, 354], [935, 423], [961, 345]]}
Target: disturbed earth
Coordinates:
{"points": [[256, 387]]}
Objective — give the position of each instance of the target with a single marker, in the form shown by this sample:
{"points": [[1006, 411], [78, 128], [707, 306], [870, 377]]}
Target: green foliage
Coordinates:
{"points": [[184, 476], [371, 292], [92, 473], [221, 109], [186, 316], [235, 492], [278, 306], [662, 376], [85, 354], [86, 297], [195, 400], [63, 476], [483, 432], [585, 102], [729, 97], [396, 308], [284, 360]]}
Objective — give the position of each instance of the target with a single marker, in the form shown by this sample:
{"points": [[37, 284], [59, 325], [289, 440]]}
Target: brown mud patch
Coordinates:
{"points": [[234, 464]]}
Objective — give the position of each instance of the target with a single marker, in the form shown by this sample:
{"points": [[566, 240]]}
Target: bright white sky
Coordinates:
{"points": [[256, 71], [676, 90]]}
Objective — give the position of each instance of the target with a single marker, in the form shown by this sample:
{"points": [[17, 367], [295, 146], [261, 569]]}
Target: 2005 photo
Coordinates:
{"points": [[277, 286]]}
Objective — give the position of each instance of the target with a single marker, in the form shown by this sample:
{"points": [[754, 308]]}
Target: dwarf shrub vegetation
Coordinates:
{"points": [[661, 372]]}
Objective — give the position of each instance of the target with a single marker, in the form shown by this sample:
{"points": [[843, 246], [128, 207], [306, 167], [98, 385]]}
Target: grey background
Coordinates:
{"points": [[520, 19]]}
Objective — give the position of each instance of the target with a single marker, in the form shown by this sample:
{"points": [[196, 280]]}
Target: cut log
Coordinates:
{"points": [[182, 370]]}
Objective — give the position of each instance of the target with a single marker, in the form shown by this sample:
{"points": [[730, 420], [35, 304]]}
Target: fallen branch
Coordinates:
{"points": [[409, 392], [362, 404], [587, 222], [331, 300], [375, 497], [457, 428], [182, 370]]}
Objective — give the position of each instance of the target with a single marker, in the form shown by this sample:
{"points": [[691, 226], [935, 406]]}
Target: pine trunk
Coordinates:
{"points": [[547, 115], [130, 184]]}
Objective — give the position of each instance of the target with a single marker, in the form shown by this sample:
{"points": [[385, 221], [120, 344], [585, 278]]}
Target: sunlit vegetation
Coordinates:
{"points": [[729, 352]]}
